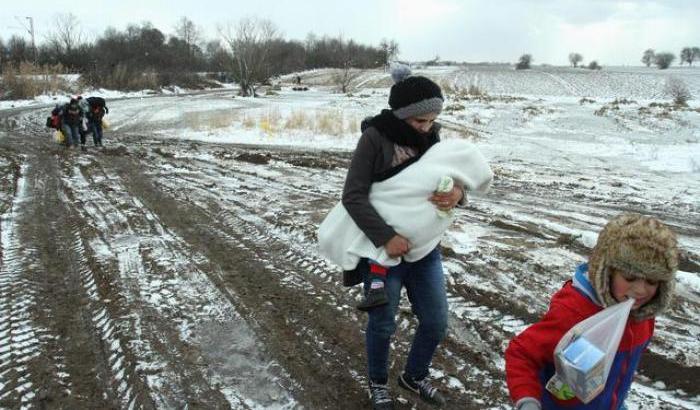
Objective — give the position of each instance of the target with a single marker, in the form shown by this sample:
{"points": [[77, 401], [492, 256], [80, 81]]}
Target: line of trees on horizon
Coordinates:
{"points": [[249, 52], [663, 60]]}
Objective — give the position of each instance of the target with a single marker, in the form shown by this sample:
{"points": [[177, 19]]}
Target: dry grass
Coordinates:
{"points": [[29, 80], [208, 120], [322, 121], [248, 121], [335, 122], [459, 92], [298, 120], [270, 121]]}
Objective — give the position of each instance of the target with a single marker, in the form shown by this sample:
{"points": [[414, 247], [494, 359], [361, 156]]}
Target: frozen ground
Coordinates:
{"points": [[178, 267]]}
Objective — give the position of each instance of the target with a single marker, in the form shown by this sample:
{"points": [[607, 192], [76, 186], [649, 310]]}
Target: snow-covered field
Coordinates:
{"points": [[194, 237]]}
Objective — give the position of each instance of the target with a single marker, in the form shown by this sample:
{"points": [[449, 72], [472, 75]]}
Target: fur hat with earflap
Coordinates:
{"points": [[642, 246], [413, 95]]}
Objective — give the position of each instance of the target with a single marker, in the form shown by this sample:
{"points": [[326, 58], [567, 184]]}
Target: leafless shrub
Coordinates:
{"points": [[344, 76], [678, 90], [458, 92]]}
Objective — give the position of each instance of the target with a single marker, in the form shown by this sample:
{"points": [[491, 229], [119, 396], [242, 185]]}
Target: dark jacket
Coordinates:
{"points": [[96, 114], [71, 114]]}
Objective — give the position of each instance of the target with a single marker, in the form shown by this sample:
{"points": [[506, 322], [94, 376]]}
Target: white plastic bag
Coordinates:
{"points": [[586, 352]]}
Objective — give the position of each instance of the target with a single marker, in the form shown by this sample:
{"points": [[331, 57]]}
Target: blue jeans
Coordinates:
{"points": [[72, 133], [425, 286], [96, 128]]}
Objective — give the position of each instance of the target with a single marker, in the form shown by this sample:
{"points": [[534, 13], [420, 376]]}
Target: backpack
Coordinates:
{"points": [[54, 120], [97, 102]]}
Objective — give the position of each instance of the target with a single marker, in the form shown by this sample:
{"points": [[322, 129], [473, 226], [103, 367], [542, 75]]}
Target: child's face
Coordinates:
{"points": [[422, 123], [628, 286]]}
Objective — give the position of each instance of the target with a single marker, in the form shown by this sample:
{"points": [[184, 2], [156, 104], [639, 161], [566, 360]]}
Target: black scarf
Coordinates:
{"points": [[401, 133]]}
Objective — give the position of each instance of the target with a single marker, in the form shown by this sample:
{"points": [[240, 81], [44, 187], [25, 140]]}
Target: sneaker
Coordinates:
{"points": [[374, 298], [422, 388], [379, 394]]}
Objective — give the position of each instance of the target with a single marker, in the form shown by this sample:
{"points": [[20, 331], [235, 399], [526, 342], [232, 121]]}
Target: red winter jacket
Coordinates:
{"points": [[530, 355]]}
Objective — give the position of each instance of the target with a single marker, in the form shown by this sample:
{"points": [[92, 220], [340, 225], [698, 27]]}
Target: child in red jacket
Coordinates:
{"points": [[635, 257]]}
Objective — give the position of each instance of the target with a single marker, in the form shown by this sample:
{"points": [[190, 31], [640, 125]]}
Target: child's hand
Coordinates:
{"points": [[447, 200], [397, 246]]}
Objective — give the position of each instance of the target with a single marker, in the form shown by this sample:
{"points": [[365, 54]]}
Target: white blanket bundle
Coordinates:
{"points": [[402, 201]]}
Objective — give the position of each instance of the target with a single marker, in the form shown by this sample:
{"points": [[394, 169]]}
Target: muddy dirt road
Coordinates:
{"points": [[164, 273]]}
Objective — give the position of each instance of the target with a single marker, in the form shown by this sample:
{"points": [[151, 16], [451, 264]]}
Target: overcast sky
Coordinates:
{"points": [[611, 32]]}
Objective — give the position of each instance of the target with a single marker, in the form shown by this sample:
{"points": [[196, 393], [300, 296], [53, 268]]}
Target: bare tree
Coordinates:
{"points": [[524, 62], [664, 60], [690, 54], [67, 34], [342, 77], [189, 33], [648, 57], [678, 90], [390, 50], [575, 58], [250, 42], [18, 51]]}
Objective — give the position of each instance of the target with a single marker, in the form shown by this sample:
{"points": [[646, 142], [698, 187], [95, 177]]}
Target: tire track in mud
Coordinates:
{"points": [[246, 268], [57, 324], [81, 314], [303, 271], [20, 335], [154, 265]]}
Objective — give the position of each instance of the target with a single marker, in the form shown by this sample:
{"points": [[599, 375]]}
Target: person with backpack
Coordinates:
{"points": [[71, 120], [98, 109], [394, 139], [82, 102]]}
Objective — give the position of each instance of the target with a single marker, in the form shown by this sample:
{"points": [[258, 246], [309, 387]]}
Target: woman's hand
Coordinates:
{"points": [[445, 201], [397, 246]]}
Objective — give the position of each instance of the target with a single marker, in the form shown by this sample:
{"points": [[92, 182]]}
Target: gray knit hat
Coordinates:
{"points": [[641, 245], [413, 95]]}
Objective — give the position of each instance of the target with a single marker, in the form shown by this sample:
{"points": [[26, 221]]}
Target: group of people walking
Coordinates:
{"points": [[79, 117], [635, 257]]}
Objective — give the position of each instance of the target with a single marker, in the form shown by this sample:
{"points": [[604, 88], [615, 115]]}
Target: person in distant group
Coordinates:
{"points": [[85, 108], [71, 120], [97, 110], [635, 257]]}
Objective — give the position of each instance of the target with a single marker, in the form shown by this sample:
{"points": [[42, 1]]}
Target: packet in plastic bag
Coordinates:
{"points": [[584, 355]]}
